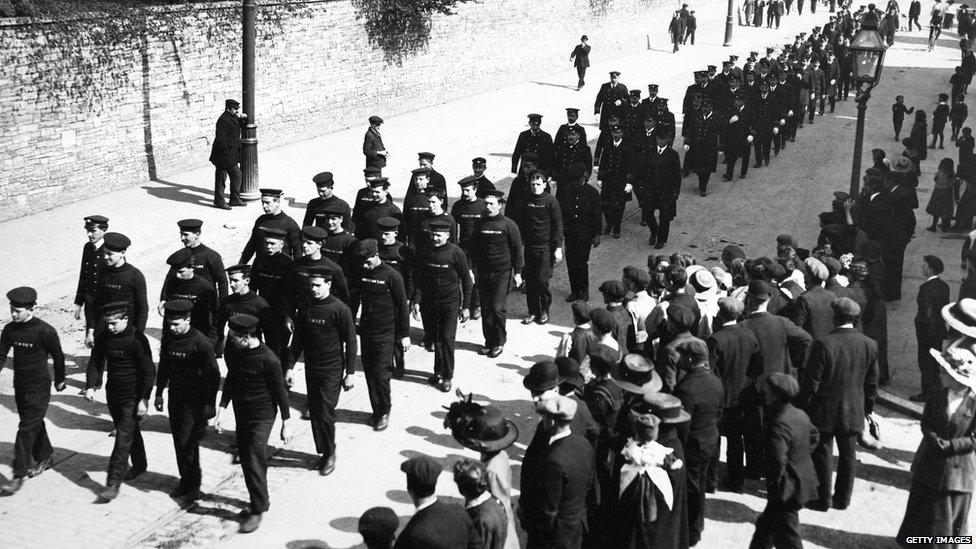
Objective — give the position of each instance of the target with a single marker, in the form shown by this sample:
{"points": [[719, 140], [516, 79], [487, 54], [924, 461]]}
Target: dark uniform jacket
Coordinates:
{"points": [[539, 143], [665, 181], [616, 170], [566, 155], [373, 142], [555, 481], [560, 136], [273, 278], [384, 302], [606, 102], [840, 381], [467, 215], [439, 526], [790, 476], [737, 133], [542, 227], [581, 55], [778, 340], [325, 333], [92, 264], [497, 245], [441, 275], [225, 152], [582, 216], [766, 114], [734, 356], [366, 226], [702, 140], [490, 523]]}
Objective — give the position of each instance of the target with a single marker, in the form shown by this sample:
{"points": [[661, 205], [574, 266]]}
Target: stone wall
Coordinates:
{"points": [[78, 117]]}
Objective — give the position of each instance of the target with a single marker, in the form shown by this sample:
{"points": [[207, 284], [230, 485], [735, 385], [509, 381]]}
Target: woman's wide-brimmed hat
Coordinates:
{"points": [[961, 316], [480, 428], [635, 374]]}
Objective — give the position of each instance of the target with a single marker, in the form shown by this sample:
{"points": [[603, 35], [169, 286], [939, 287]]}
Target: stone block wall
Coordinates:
{"points": [[78, 117]]}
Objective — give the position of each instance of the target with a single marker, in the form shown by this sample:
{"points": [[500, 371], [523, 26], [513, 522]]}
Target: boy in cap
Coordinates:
{"points": [[188, 368], [314, 212], [400, 257], [497, 247], [240, 300], [312, 238], [373, 148], [255, 384], [207, 263], [225, 154], [382, 206], [273, 278], [542, 240], [486, 511], [442, 294], [124, 352], [92, 264], [325, 334], [435, 524], [940, 115], [272, 218], [386, 315], [184, 284], [121, 282], [533, 140], [32, 341], [478, 167]]}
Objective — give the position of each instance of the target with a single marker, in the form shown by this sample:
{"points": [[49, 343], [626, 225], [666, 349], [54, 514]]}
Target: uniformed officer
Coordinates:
{"points": [[325, 333], [665, 120], [572, 115], [609, 99], [434, 179], [701, 144], [571, 150], [765, 122], [615, 175], [579, 203], [184, 284], [255, 384], [533, 140], [649, 103], [497, 250], [240, 300], [442, 293], [364, 196], [662, 194], [385, 313], [188, 367], [124, 351], [478, 167], [314, 215], [33, 341], [415, 206], [272, 218], [632, 116], [542, 241], [312, 257], [382, 206], [400, 257], [467, 212], [92, 264], [120, 281], [739, 136], [273, 278], [207, 263]]}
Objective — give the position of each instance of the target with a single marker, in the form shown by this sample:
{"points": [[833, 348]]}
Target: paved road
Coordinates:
{"points": [[322, 511]]}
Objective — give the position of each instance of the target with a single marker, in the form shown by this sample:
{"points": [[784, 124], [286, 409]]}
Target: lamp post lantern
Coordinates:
{"points": [[868, 50], [249, 137]]}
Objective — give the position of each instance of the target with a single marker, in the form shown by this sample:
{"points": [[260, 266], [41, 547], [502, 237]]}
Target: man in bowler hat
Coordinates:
{"points": [[225, 154]]}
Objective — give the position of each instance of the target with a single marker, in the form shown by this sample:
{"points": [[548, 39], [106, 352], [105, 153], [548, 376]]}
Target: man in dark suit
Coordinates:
{"points": [[435, 524], [702, 395], [897, 231], [609, 99], [226, 154], [839, 385], [556, 479], [930, 329], [632, 116], [373, 148], [649, 103], [571, 150], [581, 60], [533, 140], [779, 339], [615, 176], [572, 115], [813, 312], [765, 122], [735, 358], [739, 136], [664, 185], [579, 203], [701, 144], [696, 88]]}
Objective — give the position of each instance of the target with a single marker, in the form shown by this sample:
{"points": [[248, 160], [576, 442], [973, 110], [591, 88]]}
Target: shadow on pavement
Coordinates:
{"points": [[553, 85], [181, 193]]}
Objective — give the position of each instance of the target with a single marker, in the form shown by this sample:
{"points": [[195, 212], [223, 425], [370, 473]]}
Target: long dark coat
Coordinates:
{"points": [[702, 156], [226, 150]]}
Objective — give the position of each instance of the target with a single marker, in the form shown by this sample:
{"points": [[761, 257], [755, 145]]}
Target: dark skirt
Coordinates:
{"points": [[934, 513], [941, 203]]}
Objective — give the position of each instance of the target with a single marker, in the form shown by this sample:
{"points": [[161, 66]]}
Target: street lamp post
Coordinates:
{"points": [[868, 51], [728, 26], [249, 138]]}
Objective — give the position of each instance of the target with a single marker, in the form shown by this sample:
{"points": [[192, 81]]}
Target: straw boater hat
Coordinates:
{"points": [[635, 374], [959, 360]]}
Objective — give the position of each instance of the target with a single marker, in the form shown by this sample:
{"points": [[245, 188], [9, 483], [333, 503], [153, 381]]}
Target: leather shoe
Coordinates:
{"points": [[382, 423], [659, 245], [817, 505], [543, 318], [237, 204], [429, 347], [134, 472], [327, 466], [445, 386], [583, 297], [434, 379], [529, 319], [222, 206], [398, 373], [41, 466], [484, 350], [616, 233], [840, 506], [306, 415], [11, 486], [476, 313], [917, 398], [108, 494], [251, 523], [726, 178], [495, 352]]}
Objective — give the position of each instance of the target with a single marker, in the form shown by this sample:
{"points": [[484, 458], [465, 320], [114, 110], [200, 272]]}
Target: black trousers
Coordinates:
{"points": [[220, 177], [581, 73], [537, 272], [323, 384], [399, 364], [442, 322], [762, 144], [475, 296], [733, 155], [31, 444], [928, 367], [897, 124], [128, 437], [915, 21], [659, 223], [276, 336], [703, 178], [578, 263], [823, 458], [893, 256], [697, 461], [494, 289], [735, 445], [777, 526], [613, 212], [376, 352], [252, 448], [188, 424]]}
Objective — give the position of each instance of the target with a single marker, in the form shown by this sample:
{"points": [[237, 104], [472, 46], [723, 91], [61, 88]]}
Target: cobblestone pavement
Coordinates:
{"points": [[307, 510]]}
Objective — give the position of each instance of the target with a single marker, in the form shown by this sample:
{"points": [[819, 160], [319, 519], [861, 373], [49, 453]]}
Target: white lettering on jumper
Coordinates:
{"points": [[313, 320], [23, 344], [112, 286], [534, 205], [439, 265], [375, 281], [177, 354]]}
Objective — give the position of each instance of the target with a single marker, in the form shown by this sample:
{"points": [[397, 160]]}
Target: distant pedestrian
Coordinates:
{"points": [[676, 28], [225, 154], [958, 114], [898, 112], [939, 118], [581, 60], [914, 11], [944, 195], [373, 148], [691, 24]]}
